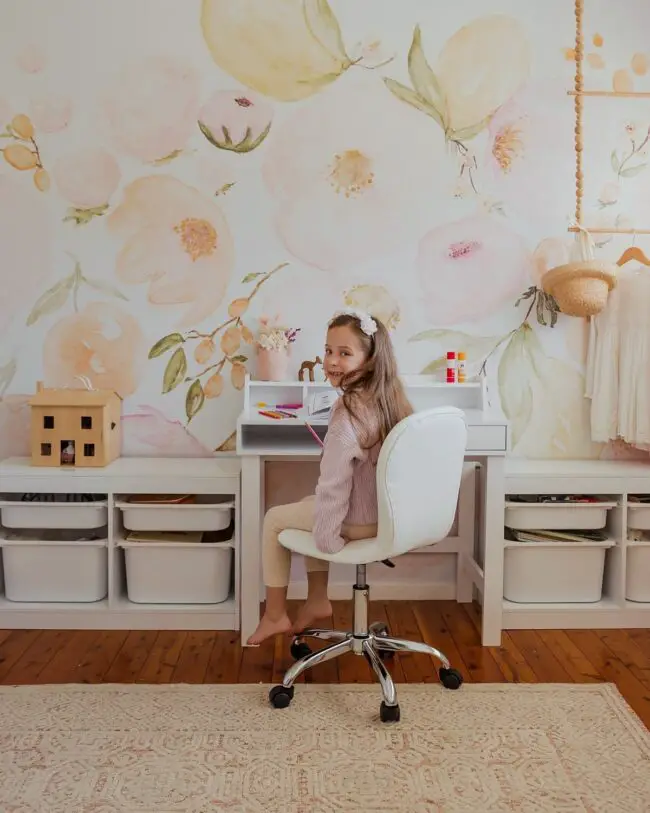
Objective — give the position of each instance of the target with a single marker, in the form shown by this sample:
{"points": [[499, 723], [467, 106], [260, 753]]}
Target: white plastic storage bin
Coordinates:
{"points": [[556, 572], [557, 516], [58, 571], [178, 572], [637, 581], [58, 513], [638, 516], [206, 514]]}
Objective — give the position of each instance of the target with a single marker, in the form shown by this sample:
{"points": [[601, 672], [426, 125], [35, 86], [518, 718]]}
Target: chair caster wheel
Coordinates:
{"points": [[280, 696], [380, 630], [450, 678], [389, 714], [299, 650]]}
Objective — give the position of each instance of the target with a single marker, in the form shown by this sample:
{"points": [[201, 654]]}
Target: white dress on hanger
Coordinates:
{"points": [[618, 362]]}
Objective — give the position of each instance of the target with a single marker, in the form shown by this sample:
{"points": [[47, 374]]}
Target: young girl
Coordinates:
{"points": [[360, 363]]}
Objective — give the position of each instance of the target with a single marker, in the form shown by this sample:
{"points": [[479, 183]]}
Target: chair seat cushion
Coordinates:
{"points": [[359, 552]]}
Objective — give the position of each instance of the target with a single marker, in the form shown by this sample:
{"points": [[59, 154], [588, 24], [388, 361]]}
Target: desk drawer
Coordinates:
{"points": [[486, 439]]}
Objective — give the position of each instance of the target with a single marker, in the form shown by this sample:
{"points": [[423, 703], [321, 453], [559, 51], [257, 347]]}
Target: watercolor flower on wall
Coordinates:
{"points": [[175, 240], [348, 187], [87, 179], [287, 50], [525, 138], [235, 121], [470, 268], [101, 342], [26, 240], [50, 112], [151, 107], [15, 415], [479, 68], [149, 433]]}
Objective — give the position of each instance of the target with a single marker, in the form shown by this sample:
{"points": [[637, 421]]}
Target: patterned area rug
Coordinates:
{"points": [[199, 749]]}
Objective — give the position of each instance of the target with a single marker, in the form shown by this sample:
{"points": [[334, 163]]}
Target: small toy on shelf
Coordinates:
{"points": [[309, 366], [75, 427]]}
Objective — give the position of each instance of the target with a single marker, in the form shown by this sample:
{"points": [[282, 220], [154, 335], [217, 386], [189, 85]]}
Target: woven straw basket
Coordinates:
{"points": [[580, 288]]}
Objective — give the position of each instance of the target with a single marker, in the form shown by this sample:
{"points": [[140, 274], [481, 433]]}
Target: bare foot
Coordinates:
{"points": [[310, 612], [269, 627]]}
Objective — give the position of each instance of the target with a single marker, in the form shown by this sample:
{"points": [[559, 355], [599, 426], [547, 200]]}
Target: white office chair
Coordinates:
{"points": [[418, 480]]}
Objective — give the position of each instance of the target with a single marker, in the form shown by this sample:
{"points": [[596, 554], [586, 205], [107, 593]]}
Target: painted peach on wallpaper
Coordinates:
{"points": [[26, 238], [175, 240], [151, 106], [214, 354], [102, 342], [349, 188], [471, 268], [287, 50], [87, 179]]}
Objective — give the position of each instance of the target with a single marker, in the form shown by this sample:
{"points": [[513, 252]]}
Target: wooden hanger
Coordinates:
{"points": [[633, 253]]}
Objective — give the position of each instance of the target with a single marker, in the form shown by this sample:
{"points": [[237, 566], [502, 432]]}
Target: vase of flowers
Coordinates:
{"points": [[273, 350]]}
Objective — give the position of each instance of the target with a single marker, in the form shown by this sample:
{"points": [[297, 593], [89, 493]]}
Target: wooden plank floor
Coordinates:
{"points": [[89, 656]]}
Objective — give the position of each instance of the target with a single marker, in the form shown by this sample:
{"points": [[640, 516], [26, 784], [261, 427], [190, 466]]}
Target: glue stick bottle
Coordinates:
{"points": [[451, 367], [461, 377]]}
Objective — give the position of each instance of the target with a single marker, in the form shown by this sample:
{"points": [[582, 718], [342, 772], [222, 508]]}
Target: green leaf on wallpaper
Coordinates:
{"points": [[53, 299], [630, 172], [468, 133], [7, 373], [251, 277], [325, 29], [167, 159], [104, 287], [405, 94], [194, 400], [239, 359], [616, 164], [424, 79], [246, 144], [517, 369], [174, 371], [165, 344], [222, 190]]}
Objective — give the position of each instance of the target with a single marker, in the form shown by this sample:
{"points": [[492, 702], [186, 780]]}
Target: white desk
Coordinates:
{"points": [[261, 440]]}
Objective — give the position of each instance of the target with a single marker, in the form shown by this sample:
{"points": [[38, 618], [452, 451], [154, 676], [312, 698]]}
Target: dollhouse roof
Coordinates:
{"points": [[73, 398]]}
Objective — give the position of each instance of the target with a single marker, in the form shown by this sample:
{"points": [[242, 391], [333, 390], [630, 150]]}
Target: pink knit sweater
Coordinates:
{"points": [[347, 489]]}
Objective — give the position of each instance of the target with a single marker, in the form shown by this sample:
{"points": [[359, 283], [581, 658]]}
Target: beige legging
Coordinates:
{"points": [[276, 560]]}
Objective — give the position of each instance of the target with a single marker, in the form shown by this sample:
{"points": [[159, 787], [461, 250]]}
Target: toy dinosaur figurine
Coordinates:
{"points": [[309, 366]]}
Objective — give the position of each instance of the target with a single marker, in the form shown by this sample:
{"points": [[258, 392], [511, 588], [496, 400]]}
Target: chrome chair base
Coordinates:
{"points": [[372, 642]]}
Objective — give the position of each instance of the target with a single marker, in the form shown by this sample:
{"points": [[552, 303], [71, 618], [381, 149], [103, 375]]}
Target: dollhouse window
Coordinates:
{"points": [[86, 422], [48, 421], [46, 449], [89, 449]]}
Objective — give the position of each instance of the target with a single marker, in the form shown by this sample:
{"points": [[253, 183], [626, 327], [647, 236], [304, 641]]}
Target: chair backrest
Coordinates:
{"points": [[419, 473]]}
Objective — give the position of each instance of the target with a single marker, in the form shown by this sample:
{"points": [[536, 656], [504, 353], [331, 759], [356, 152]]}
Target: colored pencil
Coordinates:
{"points": [[318, 440]]}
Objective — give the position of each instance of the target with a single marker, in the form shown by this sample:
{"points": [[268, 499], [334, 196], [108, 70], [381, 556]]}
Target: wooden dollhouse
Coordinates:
{"points": [[75, 427]]}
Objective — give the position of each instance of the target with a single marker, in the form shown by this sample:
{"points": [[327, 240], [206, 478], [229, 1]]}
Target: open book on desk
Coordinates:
{"points": [[320, 404]]}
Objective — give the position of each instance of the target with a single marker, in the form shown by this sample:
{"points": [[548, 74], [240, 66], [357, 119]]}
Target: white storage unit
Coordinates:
{"points": [[637, 567], [69, 584], [38, 570], [178, 572], [53, 511], [557, 516], [553, 572], [597, 585], [209, 513]]}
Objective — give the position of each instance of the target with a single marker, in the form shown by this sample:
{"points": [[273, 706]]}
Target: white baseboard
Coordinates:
{"points": [[384, 591]]}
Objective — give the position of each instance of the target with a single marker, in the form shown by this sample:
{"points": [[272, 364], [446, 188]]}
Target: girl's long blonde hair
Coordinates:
{"points": [[376, 385]]}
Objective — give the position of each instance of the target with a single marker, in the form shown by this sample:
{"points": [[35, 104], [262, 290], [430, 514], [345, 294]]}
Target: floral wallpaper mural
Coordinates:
{"points": [[174, 175]]}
